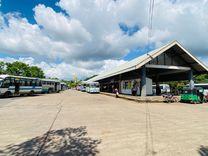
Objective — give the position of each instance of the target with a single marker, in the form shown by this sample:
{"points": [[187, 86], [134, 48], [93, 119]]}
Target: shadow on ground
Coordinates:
{"points": [[203, 150], [21, 96], [64, 142]]}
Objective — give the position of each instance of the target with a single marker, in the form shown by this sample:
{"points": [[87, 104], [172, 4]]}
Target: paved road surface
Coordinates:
{"points": [[5, 101], [91, 124]]}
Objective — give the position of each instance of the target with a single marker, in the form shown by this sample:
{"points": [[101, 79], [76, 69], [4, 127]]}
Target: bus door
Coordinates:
{"points": [[17, 85], [56, 87]]}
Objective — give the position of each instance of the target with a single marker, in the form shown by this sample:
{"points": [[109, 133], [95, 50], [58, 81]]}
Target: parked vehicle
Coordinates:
{"points": [[83, 86], [165, 88], [50, 86], [93, 87], [78, 87], [169, 98], [195, 95], [18, 85], [204, 86], [64, 86]]}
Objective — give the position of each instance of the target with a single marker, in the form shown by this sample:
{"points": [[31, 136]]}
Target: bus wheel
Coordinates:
{"points": [[7, 94], [31, 93], [50, 91]]}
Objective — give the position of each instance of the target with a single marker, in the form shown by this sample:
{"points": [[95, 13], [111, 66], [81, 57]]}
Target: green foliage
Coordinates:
{"points": [[73, 84], [2, 67], [179, 85], [18, 69], [21, 69], [203, 78], [36, 72]]}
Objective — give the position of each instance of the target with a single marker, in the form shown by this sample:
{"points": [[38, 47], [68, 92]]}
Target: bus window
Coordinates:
{"points": [[6, 83], [11, 82], [39, 83], [1, 81], [28, 82], [33, 83], [36, 82], [22, 82]]}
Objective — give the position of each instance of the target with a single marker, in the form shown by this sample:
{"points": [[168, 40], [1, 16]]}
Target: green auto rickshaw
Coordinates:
{"points": [[195, 95]]}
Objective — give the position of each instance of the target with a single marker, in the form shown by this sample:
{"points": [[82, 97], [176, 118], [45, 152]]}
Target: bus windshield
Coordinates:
{"points": [[94, 85], [1, 80]]}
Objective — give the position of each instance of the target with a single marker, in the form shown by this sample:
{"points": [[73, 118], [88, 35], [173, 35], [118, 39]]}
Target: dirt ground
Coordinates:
{"points": [[77, 123]]}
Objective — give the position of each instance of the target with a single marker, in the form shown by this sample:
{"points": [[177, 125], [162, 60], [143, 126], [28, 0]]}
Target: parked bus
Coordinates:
{"points": [[63, 86], [93, 87], [18, 85], [202, 85], [50, 86]]}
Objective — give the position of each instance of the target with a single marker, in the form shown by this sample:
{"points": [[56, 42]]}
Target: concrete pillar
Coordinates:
{"points": [[143, 82], [191, 80]]}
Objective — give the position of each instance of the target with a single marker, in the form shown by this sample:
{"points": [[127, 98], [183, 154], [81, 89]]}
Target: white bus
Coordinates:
{"points": [[64, 86], [202, 85], [50, 86], [18, 85], [165, 88], [93, 87]]}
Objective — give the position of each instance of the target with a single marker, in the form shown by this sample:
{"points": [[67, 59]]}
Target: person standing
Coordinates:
{"points": [[134, 89], [116, 92], [158, 90]]}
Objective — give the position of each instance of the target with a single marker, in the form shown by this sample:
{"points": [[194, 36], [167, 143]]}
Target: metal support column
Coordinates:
{"points": [[143, 81], [191, 79]]}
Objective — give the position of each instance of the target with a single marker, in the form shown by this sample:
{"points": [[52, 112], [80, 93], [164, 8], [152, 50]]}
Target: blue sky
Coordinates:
{"points": [[25, 7], [97, 35]]}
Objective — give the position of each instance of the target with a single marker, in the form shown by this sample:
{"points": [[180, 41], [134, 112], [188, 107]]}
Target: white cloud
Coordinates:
{"points": [[60, 27], [20, 37], [68, 71], [180, 20]]}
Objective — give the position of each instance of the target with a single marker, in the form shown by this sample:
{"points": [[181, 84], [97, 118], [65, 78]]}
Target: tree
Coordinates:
{"points": [[17, 69], [35, 71], [22, 69], [2, 67], [203, 78]]}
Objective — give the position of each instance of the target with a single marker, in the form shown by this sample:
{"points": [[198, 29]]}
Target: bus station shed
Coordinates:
{"points": [[171, 62]]}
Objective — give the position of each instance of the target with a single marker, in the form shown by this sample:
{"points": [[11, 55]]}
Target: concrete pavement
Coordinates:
{"points": [[94, 124]]}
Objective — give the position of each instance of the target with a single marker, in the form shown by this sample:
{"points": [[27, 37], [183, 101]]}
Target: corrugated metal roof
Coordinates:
{"points": [[5, 76], [142, 60], [50, 80]]}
